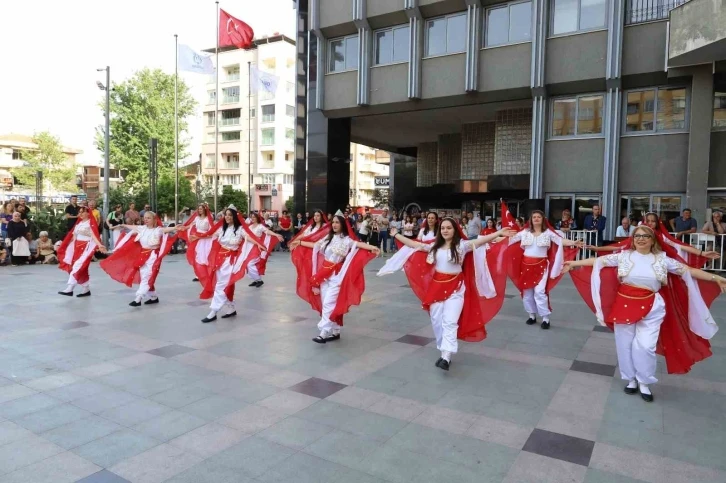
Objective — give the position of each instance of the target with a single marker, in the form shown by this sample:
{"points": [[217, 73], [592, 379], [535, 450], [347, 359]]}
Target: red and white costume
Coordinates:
{"points": [[652, 302], [257, 267], [76, 252], [137, 259], [198, 250], [302, 259]]}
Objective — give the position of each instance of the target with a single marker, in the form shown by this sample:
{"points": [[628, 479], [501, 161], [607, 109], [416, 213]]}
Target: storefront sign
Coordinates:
{"points": [[382, 182], [262, 187]]}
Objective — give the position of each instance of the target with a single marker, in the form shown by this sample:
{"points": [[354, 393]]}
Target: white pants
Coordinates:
{"points": [[445, 320], [535, 299], [252, 270], [223, 274], [115, 234], [636, 345], [145, 274], [72, 282], [329, 291]]}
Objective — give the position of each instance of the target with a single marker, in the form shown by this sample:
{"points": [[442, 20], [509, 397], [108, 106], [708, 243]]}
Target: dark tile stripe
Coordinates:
{"points": [[170, 350], [315, 387], [560, 446], [415, 340], [601, 328], [593, 368]]}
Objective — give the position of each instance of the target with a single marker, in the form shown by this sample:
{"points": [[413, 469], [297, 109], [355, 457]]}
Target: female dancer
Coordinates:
{"points": [[453, 285], [269, 238], [137, 257], [536, 264], [76, 252], [229, 259], [336, 280], [431, 228], [673, 247], [316, 223], [316, 229], [198, 250], [650, 300]]}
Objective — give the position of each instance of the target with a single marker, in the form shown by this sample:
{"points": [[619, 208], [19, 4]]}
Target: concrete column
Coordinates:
{"points": [[365, 46], [415, 52], [473, 43], [539, 97], [699, 140]]}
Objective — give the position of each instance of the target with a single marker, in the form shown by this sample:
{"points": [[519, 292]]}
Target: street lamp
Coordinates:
{"points": [[106, 163]]}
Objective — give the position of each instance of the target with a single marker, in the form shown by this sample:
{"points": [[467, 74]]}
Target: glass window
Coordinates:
{"points": [[508, 24], [211, 97], [520, 22], [456, 33], [252, 112], [209, 161], [497, 27], [289, 134], [268, 137], [436, 37], [230, 117], [290, 111], [230, 94], [719, 109], [351, 52], [717, 202], [557, 204], [575, 15], [401, 42], [656, 110], [384, 47], [231, 136], [667, 207], [577, 116], [210, 118], [343, 54], [391, 45], [268, 113], [446, 35]]}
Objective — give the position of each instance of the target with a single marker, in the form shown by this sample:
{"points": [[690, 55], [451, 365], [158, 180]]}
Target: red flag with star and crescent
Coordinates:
{"points": [[508, 220], [234, 32]]}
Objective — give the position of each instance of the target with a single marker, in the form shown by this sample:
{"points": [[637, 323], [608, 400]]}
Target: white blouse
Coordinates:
{"points": [[310, 230], [149, 237], [426, 237], [535, 246], [337, 249], [646, 271], [82, 231], [442, 258], [230, 239], [258, 230], [202, 224]]}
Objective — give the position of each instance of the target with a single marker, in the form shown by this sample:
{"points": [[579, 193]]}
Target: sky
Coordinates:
{"points": [[50, 50]]}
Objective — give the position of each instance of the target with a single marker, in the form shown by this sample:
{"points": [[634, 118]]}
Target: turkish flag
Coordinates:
{"points": [[508, 220], [233, 31]]}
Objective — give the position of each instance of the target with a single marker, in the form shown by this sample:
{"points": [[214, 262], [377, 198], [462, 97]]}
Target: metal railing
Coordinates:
{"points": [[639, 11], [706, 242], [589, 237]]}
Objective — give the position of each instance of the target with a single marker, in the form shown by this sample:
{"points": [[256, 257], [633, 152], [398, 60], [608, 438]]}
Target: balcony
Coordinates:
{"points": [[640, 11], [697, 33], [232, 121]]}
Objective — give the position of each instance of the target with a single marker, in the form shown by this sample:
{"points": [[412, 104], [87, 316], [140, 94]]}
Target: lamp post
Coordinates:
{"points": [[106, 161]]}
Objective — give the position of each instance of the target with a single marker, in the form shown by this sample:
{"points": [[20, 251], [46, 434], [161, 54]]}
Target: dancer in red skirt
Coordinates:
{"points": [[335, 281], [316, 229], [651, 301], [198, 250], [535, 262], [76, 252], [451, 277], [138, 255], [269, 238]]}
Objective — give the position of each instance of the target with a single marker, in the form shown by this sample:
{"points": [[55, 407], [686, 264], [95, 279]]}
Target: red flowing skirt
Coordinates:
{"points": [[631, 305], [209, 279], [442, 287], [533, 269], [81, 275], [328, 270]]}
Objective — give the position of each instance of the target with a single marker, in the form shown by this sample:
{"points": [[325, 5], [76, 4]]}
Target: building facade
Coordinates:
{"points": [[548, 103], [256, 133], [369, 171]]}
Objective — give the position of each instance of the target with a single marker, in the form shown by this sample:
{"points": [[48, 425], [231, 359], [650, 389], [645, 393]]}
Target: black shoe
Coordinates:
{"points": [[320, 340], [195, 279], [545, 324], [152, 301], [67, 294], [438, 361], [630, 390], [84, 294], [647, 397], [531, 321], [206, 320], [260, 283], [332, 337], [135, 304], [253, 284], [443, 364], [231, 314]]}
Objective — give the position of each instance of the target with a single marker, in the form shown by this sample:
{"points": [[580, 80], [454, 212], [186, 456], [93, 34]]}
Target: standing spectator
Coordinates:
{"points": [[16, 232], [684, 224], [408, 226], [489, 227], [132, 216], [146, 208], [72, 213], [520, 223], [596, 222], [383, 223], [23, 208], [285, 223], [115, 218], [625, 229], [395, 223], [473, 226], [95, 212], [566, 223], [364, 229], [374, 238]]}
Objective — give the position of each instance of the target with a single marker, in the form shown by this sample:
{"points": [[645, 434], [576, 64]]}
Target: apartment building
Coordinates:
{"points": [[549, 103], [369, 171], [256, 133]]}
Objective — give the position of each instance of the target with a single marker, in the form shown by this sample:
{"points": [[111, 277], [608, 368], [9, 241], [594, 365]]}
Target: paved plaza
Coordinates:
{"points": [[93, 390]]}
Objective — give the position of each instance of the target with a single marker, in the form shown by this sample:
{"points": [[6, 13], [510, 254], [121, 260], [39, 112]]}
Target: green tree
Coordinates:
{"points": [[230, 196], [49, 159], [290, 204], [380, 198], [165, 195], [142, 108]]}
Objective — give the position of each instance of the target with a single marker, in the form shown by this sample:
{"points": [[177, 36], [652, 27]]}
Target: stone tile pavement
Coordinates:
{"points": [[92, 390]]}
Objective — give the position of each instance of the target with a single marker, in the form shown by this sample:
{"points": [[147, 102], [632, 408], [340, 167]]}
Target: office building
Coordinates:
{"points": [[368, 174]]}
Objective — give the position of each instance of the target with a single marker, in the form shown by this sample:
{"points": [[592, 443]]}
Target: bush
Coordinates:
{"points": [[51, 220]]}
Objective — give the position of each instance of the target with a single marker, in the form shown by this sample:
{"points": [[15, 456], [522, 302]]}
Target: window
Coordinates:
{"points": [[252, 113], [231, 136], [508, 24], [268, 113], [210, 118], [268, 179], [577, 116], [270, 157], [655, 110], [343, 54], [446, 35], [289, 87], [268, 137], [290, 134], [719, 109], [667, 206], [232, 161], [577, 15], [211, 97], [17, 154], [287, 156], [230, 117], [287, 179], [232, 73], [209, 161], [290, 111], [266, 202], [392, 45], [230, 94], [209, 137], [579, 205]]}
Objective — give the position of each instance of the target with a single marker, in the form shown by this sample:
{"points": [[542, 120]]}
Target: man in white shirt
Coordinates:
{"points": [[383, 226], [625, 229], [473, 226]]}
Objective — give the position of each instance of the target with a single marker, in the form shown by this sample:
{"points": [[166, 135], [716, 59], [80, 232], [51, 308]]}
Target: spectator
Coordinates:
{"points": [[23, 208], [16, 232], [3, 255], [299, 223], [132, 216], [716, 226], [364, 229], [473, 226], [394, 223], [625, 229], [285, 223], [408, 227], [45, 249], [72, 213], [489, 227], [374, 238], [330, 217], [95, 212], [115, 218], [596, 223], [566, 223], [520, 223], [684, 224], [383, 223], [146, 208], [34, 256]]}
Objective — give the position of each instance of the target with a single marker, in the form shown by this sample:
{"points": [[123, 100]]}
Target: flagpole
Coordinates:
{"points": [[176, 128], [249, 137], [216, 115]]}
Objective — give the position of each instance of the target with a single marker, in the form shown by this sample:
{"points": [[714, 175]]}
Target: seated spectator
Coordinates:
{"points": [[625, 229], [45, 249], [566, 223], [684, 224], [3, 255], [33, 247]]}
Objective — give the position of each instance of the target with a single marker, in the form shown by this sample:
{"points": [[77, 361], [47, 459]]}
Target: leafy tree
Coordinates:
{"points": [[50, 160], [290, 205], [124, 196], [380, 197], [230, 196], [142, 108]]}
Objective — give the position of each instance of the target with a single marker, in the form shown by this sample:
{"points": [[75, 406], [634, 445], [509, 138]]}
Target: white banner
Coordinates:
{"points": [[263, 81], [191, 61]]}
